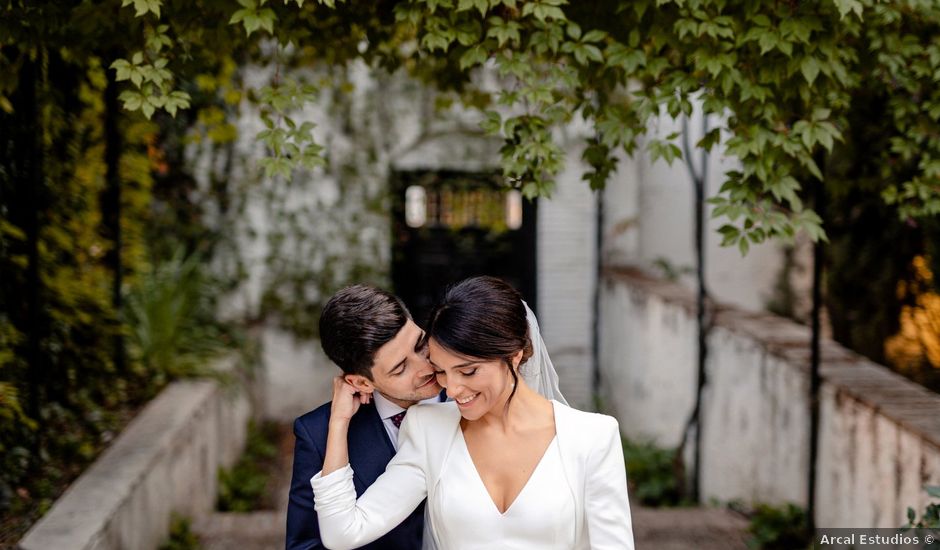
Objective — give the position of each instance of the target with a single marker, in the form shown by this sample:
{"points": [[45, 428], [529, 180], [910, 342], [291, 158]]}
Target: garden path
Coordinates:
{"points": [[654, 528]]}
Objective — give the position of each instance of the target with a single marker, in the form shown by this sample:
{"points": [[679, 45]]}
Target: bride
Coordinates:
{"points": [[501, 466]]}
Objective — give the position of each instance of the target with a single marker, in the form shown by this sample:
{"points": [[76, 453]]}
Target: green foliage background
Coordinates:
{"points": [[71, 389], [834, 93], [64, 391]]}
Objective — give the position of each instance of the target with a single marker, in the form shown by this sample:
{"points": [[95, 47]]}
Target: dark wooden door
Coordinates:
{"points": [[448, 226]]}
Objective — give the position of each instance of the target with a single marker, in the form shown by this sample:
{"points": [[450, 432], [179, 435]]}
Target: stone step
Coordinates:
{"points": [[688, 528], [245, 531], [654, 529]]}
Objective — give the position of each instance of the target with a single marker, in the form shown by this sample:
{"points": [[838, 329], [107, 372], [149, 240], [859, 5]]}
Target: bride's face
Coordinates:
{"points": [[479, 386]]}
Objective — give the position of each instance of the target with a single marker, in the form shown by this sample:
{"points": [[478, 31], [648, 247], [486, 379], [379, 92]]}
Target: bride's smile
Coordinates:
{"points": [[479, 386]]}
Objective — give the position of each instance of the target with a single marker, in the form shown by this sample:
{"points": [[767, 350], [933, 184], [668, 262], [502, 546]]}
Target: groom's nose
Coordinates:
{"points": [[425, 363]]}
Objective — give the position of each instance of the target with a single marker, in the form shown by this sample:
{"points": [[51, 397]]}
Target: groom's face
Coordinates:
{"points": [[401, 371]]}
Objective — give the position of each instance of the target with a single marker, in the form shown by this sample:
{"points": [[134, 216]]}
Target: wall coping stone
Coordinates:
{"points": [[907, 403], [81, 518]]}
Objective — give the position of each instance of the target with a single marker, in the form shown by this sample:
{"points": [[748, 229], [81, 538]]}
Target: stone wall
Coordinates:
{"points": [[649, 222], [164, 462], [566, 260], [879, 432]]}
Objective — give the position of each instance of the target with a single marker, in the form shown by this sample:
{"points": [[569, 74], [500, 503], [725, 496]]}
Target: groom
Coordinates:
{"points": [[370, 335]]}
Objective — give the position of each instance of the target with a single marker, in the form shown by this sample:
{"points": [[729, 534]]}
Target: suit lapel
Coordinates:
{"points": [[369, 446]]}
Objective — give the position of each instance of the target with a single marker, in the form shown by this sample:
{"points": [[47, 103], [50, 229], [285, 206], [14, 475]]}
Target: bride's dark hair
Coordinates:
{"points": [[483, 318]]}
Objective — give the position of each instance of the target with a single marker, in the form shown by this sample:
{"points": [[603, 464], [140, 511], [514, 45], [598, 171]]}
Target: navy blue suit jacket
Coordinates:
{"points": [[370, 450]]}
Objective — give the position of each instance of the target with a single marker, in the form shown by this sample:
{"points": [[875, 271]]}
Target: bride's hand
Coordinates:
{"points": [[346, 400]]}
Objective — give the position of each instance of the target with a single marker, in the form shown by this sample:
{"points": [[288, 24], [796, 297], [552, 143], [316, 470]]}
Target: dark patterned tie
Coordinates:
{"points": [[396, 419]]}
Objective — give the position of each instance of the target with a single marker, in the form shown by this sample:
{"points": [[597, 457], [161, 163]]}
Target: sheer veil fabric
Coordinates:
{"points": [[539, 371]]}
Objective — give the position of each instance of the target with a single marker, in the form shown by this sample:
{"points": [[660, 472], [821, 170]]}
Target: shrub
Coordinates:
{"points": [[171, 317], [931, 516], [181, 536], [242, 488], [779, 528], [651, 473]]}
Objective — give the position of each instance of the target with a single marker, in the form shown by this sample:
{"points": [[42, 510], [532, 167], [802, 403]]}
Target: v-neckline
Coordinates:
{"points": [[486, 490]]}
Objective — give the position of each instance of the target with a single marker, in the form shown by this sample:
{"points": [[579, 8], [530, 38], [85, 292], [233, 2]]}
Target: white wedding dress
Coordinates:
{"points": [[576, 498], [541, 516]]}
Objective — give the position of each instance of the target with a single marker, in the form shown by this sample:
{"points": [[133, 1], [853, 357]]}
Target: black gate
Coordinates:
{"points": [[452, 225]]}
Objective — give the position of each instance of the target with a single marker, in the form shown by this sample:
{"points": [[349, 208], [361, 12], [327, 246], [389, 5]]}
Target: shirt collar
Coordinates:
{"points": [[385, 408]]}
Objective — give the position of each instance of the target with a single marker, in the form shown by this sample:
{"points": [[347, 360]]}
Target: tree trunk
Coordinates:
{"points": [[30, 176], [815, 359], [111, 208]]}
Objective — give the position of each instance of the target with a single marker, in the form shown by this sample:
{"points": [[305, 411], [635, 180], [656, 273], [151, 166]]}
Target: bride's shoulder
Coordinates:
{"points": [[431, 415], [583, 424]]}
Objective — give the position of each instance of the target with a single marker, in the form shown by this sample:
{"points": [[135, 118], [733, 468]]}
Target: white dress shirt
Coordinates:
{"points": [[387, 410]]}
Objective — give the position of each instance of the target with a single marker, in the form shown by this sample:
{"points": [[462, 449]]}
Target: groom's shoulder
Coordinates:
{"points": [[314, 421]]}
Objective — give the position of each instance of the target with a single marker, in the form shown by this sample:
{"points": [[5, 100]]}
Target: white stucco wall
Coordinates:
{"points": [[883, 436], [566, 275], [879, 433], [755, 432], [648, 386], [650, 219]]}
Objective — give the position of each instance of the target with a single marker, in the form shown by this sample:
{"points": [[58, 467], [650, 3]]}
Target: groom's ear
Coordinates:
{"points": [[360, 382]]}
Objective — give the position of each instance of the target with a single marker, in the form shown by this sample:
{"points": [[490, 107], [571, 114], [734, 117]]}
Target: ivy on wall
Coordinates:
{"points": [[62, 391], [779, 75]]}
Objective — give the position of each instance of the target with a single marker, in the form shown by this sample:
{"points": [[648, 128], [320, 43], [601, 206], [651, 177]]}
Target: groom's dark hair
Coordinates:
{"points": [[356, 322]]}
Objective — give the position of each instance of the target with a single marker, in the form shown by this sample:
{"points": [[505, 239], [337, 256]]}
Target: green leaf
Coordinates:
{"points": [[479, 5], [239, 16], [709, 140], [267, 18], [629, 59], [493, 123], [131, 100], [573, 30], [810, 69], [503, 31], [768, 40], [143, 7], [849, 6], [476, 55], [729, 233], [592, 53], [147, 108], [594, 36]]}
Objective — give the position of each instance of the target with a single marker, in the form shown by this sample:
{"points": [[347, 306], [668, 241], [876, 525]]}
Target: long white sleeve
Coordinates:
{"points": [[607, 507], [349, 523]]}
